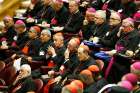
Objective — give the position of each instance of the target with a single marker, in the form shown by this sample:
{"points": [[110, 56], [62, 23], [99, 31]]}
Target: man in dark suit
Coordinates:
{"points": [[22, 36], [60, 13], [57, 50], [74, 22], [88, 23], [9, 26]]}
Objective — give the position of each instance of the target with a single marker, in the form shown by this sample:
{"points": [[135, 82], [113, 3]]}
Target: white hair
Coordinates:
{"points": [[46, 31], [101, 14], [26, 67]]}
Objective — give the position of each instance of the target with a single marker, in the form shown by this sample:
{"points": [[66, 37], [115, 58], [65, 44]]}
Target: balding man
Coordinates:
{"points": [[57, 50], [84, 58], [70, 63], [71, 58], [70, 55], [84, 61], [73, 25]]}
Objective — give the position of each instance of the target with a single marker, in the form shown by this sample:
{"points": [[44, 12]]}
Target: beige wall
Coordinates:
{"points": [[8, 7]]}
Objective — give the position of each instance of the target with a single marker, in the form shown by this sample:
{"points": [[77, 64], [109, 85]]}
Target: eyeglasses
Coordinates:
{"points": [[32, 31], [98, 17], [114, 19]]}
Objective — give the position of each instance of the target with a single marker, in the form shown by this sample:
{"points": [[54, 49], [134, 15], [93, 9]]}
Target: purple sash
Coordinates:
{"points": [[119, 47]]}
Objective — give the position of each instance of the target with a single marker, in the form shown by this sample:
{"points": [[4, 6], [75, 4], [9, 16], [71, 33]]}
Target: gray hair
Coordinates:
{"points": [[46, 31], [26, 67]]}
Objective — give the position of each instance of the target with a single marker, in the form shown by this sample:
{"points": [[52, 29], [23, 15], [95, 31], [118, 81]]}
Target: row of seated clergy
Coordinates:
{"points": [[68, 24]]}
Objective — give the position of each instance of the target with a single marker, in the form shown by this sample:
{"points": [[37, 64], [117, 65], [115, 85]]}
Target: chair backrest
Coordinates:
{"points": [[39, 85], [9, 74]]}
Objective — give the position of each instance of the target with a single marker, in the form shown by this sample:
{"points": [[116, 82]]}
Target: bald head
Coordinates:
{"points": [[73, 44], [83, 52], [58, 40], [58, 35], [8, 21]]}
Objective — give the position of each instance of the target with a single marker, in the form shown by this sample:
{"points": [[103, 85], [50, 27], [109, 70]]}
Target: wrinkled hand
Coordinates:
{"points": [[85, 22], [51, 50], [129, 53], [95, 40], [63, 83], [120, 30], [57, 79], [111, 53]]}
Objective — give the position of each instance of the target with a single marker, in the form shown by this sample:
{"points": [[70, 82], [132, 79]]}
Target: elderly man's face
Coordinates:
{"points": [[32, 33], [72, 45], [73, 7], [44, 37], [126, 26], [23, 73], [113, 21], [8, 23], [98, 19], [81, 54], [19, 30], [90, 16], [58, 41]]}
